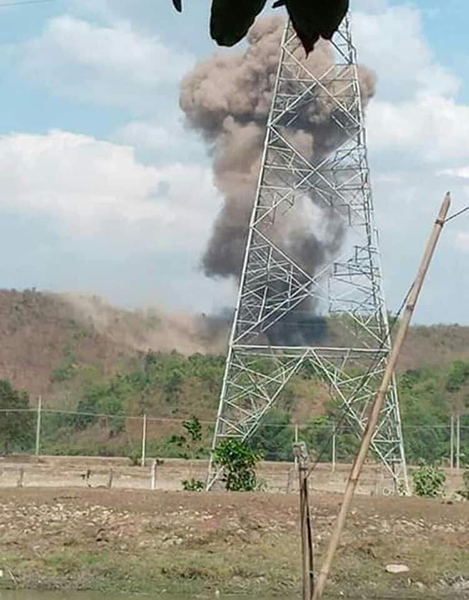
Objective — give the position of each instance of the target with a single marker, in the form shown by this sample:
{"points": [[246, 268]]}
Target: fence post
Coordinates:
{"points": [[334, 433], [451, 458], [153, 474], [295, 457], [458, 442], [144, 439], [294, 466], [20, 481], [38, 425]]}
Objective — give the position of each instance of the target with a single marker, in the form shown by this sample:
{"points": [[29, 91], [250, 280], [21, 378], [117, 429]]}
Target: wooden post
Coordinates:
{"points": [[144, 439], [153, 474], [458, 442], [111, 478], [380, 396], [20, 481], [294, 466], [301, 455], [38, 425], [296, 442]]}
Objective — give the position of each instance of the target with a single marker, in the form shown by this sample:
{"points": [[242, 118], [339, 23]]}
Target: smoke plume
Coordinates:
{"points": [[227, 100]]}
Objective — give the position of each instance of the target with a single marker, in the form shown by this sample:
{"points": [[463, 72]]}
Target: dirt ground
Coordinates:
{"points": [[150, 542]]}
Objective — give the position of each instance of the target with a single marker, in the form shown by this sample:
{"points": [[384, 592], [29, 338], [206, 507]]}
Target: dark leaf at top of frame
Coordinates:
{"points": [[231, 19], [313, 19]]}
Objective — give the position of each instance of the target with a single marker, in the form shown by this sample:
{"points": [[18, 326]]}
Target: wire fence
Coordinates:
{"points": [[54, 432]]}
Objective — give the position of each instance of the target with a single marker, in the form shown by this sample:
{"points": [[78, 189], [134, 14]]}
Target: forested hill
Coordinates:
{"points": [[39, 330], [84, 356], [50, 339]]}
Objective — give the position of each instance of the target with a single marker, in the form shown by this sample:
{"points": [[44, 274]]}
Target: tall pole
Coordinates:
{"points": [[458, 442], [144, 439], [452, 442], [38, 425], [380, 396]]}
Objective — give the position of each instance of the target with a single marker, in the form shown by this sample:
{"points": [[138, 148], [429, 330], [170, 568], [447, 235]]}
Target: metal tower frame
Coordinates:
{"points": [[347, 287]]}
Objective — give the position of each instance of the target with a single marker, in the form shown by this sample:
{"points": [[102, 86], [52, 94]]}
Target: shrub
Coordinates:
{"points": [[135, 456], [429, 481], [238, 462], [192, 485]]}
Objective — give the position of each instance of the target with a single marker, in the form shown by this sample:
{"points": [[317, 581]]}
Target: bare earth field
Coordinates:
{"points": [[150, 542]]}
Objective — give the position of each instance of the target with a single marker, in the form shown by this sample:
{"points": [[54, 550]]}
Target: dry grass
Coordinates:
{"points": [[243, 544]]}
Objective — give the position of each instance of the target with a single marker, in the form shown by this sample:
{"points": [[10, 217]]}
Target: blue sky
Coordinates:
{"points": [[104, 191]]}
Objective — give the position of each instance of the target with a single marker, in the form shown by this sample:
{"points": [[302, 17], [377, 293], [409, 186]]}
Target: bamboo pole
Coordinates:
{"points": [[380, 396]]}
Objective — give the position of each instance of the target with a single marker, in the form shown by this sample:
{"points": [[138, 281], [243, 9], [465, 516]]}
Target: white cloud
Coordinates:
{"points": [[462, 240], [429, 130], [415, 121], [112, 65], [96, 190], [417, 133], [148, 135], [390, 39], [156, 143], [143, 190], [462, 173]]}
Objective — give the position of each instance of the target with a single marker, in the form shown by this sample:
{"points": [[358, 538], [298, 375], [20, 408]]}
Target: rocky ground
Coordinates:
{"points": [[138, 541]]}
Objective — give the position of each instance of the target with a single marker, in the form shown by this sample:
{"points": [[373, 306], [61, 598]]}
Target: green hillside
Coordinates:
{"points": [[99, 368]]}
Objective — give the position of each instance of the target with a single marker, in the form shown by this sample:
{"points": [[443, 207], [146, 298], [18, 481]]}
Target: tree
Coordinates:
{"points": [[457, 385], [194, 431], [238, 462], [104, 399], [275, 436], [193, 449], [16, 423]]}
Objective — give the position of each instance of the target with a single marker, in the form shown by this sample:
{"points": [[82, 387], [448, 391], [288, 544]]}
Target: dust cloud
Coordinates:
{"points": [[227, 100], [152, 328]]}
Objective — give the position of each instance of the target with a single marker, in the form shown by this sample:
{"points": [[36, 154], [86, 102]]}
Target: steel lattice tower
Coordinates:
{"points": [[347, 290]]}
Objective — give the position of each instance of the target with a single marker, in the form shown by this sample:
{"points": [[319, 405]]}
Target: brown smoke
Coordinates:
{"points": [[154, 329], [227, 99]]}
